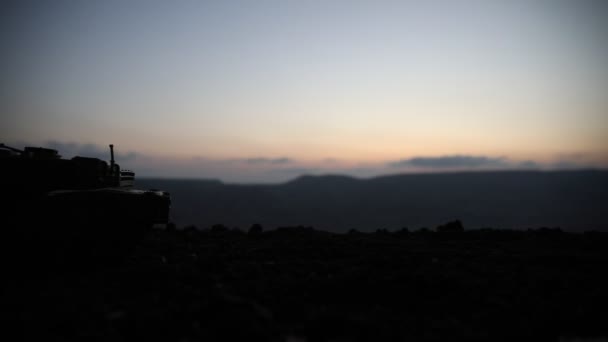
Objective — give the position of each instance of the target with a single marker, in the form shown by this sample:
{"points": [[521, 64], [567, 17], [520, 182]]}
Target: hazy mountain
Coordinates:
{"points": [[573, 200]]}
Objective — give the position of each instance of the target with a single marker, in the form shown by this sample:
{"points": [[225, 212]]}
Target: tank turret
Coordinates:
{"points": [[82, 201]]}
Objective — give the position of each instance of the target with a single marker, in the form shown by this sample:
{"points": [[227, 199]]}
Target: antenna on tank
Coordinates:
{"points": [[111, 157]]}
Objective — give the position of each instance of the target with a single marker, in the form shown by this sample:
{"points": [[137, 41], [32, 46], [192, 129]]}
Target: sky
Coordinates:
{"points": [[263, 91]]}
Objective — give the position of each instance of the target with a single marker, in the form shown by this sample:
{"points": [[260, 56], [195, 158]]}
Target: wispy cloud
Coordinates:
{"points": [[298, 170], [266, 161], [570, 164], [449, 162], [529, 164]]}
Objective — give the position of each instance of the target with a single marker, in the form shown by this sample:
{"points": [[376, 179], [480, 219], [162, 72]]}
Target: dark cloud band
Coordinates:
{"points": [[446, 162]]}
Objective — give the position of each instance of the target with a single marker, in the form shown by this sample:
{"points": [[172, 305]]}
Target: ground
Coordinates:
{"points": [[299, 284]]}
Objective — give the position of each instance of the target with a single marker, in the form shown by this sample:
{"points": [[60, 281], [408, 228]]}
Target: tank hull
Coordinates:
{"points": [[73, 209]]}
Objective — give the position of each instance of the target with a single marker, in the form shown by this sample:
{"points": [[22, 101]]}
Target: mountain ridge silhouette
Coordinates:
{"points": [[572, 200]]}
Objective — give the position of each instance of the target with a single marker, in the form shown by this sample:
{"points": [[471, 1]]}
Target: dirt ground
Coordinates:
{"points": [[299, 284]]}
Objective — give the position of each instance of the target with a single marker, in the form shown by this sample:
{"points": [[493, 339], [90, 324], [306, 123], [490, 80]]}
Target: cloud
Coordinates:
{"points": [[70, 149], [298, 170], [448, 162], [569, 164], [272, 161], [529, 164]]}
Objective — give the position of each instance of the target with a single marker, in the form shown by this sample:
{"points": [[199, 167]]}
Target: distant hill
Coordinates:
{"points": [[572, 200]]}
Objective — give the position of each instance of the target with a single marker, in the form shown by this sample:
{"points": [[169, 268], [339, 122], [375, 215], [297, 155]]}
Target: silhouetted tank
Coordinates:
{"points": [[76, 201]]}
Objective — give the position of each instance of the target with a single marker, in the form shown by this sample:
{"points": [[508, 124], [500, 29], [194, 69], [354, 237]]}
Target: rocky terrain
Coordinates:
{"points": [[300, 284]]}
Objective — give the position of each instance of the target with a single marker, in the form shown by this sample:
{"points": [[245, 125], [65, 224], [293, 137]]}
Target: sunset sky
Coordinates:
{"points": [[263, 91]]}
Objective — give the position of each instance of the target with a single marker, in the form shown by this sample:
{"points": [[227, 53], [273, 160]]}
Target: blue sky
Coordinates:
{"points": [[264, 90]]}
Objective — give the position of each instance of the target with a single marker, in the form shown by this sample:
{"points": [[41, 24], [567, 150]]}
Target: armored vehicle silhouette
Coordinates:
{"points": [[80, 201]]}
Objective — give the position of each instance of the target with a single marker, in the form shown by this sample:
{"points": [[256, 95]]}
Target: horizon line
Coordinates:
{"points": [[358, 178]]}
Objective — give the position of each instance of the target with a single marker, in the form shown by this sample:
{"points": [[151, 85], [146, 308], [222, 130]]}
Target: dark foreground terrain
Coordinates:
{"points": [[299, 284]]}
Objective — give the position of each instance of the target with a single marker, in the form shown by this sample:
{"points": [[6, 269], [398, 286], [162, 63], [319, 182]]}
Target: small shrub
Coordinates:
{"points": [[451, 227]]}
